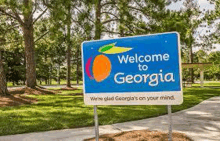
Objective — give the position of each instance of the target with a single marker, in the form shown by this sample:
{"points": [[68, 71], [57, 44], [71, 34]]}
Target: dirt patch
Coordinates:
{"points": [[75, 94], [15, 99], [58, 91], [18, 96], [38, 90], [68, 88], [141, 135]]}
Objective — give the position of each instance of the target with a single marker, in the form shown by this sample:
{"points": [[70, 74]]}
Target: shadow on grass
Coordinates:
{"points": [[14, 100], [33, 122]]}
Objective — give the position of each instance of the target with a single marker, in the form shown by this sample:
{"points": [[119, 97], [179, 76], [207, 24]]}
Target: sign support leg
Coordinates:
{"points": [[201, 77], [96, 123], [170, 122]]}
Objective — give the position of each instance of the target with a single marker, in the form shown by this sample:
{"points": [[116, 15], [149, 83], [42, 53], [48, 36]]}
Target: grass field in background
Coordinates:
{"points": [[62, 82], [209, 83], [66, 110]]}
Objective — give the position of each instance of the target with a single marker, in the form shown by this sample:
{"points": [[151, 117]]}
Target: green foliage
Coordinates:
{"points": [[15, 65], [210, 72], [213, 72], [201, 57], [69, 22], [13, 51]]}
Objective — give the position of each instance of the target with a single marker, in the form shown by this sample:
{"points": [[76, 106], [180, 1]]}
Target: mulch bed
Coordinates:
{"points": [[68, 88], [18, 96], [75, 94], [141, 135]]}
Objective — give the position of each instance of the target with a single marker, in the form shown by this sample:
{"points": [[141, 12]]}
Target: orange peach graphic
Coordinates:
{"points": [[101, 68]]}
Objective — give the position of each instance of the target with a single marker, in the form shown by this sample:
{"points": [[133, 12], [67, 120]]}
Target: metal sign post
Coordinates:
{"points": [[170, 122], [96, 123]]}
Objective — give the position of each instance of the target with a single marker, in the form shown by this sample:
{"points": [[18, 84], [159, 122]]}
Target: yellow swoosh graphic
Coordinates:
{"points": [[115, 50], [112, 49]]}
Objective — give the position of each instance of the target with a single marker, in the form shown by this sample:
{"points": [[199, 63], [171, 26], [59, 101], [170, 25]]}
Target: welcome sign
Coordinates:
{"points": [[138, 70]]}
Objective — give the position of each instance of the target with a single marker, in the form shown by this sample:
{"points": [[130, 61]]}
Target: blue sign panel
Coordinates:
{"points": [[134, 66]]}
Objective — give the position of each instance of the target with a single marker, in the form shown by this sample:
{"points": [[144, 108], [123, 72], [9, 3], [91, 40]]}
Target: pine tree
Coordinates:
{"points": [[25, 9]]}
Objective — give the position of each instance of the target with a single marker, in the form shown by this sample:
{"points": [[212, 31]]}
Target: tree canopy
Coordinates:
{"points": [[41, 38]]}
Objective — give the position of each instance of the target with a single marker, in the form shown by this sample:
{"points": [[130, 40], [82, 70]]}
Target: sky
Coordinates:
{"points": [[204, 4]]}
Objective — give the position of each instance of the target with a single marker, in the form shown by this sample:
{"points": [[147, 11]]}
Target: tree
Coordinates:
{"points": [[50, 50], [190, 19], [104, 19], [214, 70], [78, 39], [5, 28], [65, 16], [201, 56], [25, 9], [15, 64], [3, 82]]}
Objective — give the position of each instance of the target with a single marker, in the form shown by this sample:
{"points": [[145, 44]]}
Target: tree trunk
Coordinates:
{"points": [[191, 69], [3, 82], [68, 49], [29, 55], [77, 65], [58, 74], [121, 18], [98, 26], [50, 72], [29, 47]]}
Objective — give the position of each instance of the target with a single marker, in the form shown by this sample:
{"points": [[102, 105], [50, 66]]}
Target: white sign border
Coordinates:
{"points": [[143, 98]]}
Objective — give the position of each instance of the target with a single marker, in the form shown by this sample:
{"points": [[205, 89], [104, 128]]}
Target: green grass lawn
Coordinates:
{"points": [[65, 110], [207, 84], [10, 84], [62, 82]]}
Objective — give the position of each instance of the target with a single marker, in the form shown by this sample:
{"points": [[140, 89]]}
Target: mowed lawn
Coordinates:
{"points": [[209, 84], [66, 110], [62, 82]]}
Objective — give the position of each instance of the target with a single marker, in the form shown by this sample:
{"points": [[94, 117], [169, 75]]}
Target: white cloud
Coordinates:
{"points": [[204, 4]]}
